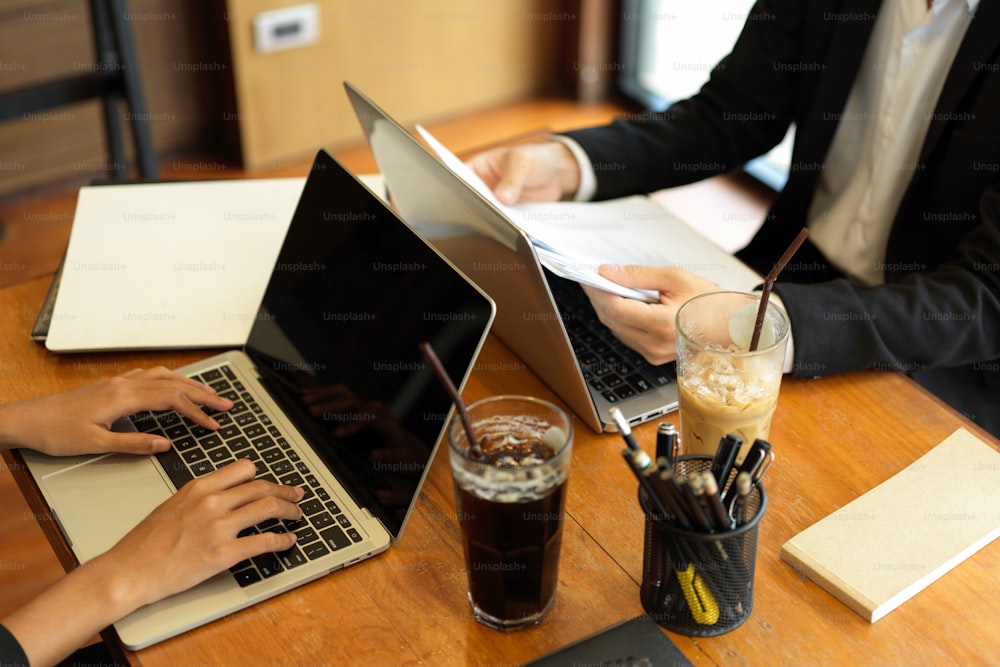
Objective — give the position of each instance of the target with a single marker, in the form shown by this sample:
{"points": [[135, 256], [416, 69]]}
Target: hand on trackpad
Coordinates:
{"points": [[98, 504]]}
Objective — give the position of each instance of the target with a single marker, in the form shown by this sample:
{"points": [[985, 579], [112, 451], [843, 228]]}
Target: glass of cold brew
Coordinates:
{"points": [[723, 386], [511, 491]]}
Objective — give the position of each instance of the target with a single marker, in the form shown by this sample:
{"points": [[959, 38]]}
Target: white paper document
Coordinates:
{"points": [[572, 239]]}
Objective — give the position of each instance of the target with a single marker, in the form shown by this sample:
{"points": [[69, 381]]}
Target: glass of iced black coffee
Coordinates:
{"points": [[510, 490]]}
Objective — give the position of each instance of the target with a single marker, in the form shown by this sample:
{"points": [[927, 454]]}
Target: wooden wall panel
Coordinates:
{"points": [[209, 93], [417, 59]]}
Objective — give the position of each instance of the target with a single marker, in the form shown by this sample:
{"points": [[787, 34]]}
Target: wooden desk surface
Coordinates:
{"points": [[834, 438]]}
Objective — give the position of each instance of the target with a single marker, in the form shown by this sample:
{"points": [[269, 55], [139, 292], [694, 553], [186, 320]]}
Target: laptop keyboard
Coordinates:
{"points": [[247, 432], [609, 366]]}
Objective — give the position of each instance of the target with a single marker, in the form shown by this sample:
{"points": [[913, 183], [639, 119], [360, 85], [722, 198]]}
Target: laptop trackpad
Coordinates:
{"points": [[100, 500]]}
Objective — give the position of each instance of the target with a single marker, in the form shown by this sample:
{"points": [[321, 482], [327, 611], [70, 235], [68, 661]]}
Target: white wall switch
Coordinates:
{"points": [[286, 28]]}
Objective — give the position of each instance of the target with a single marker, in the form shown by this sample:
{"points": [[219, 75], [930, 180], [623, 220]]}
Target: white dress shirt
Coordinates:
{"points": [[874, 152]]}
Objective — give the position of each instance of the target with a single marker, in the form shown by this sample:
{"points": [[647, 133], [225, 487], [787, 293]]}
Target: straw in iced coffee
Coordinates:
{"points": [[769, 284]]}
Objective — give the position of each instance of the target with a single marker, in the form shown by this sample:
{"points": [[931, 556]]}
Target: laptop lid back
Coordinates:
{"points": [[353, 293], [485, 245]]}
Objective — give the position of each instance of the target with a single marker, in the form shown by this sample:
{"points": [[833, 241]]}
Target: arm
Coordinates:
{"points": [[743, 110], [190, 537], [947, 316], [79, 421]]}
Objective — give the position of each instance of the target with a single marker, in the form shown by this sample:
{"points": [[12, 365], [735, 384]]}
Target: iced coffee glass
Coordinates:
{"points": [[510, 499], [725, 388]]}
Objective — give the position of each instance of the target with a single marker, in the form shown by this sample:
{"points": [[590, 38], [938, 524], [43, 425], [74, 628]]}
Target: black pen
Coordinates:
{"points": [[666, 442], [642, 459], [743, 484], [714, 503], [756, 463], [674, 496], [767, 460], [725, 457], [646, 483], [696, 481], [640, 463], [670, 499], [698, 516]]}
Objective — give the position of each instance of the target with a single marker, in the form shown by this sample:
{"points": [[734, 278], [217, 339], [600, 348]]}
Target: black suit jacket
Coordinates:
{"points": [[937, 317]]}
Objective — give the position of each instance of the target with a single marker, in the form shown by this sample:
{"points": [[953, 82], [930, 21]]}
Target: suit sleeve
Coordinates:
{"points": [[946, 317], [743, 111], [11, 652]]}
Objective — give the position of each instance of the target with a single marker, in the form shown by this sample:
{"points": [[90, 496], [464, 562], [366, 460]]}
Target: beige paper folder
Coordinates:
{"points": [[883, 548]]}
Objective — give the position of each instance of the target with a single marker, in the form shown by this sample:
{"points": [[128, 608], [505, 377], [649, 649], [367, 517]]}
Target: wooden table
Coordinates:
{"points": [[834, 438]]}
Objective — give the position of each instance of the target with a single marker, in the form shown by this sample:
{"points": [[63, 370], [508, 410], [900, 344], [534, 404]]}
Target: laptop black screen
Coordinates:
{"points": [[353, 293]]}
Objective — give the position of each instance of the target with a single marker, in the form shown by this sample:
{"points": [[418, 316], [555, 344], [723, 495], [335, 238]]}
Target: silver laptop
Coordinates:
{"points": [[331, 394], [547, 320]]}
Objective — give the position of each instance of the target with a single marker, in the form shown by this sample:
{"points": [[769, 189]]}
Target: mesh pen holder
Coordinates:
{"points": [[699, 584]]}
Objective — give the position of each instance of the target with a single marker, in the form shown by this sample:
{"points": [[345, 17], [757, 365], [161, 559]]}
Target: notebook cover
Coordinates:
{"points": [[634, 642], [169, 265], [881, 549], [75, 331]]}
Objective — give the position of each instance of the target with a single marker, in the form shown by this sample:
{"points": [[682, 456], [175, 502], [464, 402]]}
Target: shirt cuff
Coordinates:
{"points": [[588, 179]]}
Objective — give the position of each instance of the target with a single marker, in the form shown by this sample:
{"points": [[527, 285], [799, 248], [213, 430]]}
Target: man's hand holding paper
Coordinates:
{"points": [[647, 328]]}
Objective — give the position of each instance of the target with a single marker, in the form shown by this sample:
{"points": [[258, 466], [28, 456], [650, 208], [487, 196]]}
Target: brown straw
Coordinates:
{"points": [[769, 283], [475, 451]]}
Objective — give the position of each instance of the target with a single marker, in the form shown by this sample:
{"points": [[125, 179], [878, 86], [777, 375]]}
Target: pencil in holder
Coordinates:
{"points": [[696, 583]]}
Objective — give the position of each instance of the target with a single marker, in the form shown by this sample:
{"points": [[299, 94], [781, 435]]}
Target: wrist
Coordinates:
{"points": [[581, 180], [567, 168], [113, 586], [78, 606], [10, 426]]}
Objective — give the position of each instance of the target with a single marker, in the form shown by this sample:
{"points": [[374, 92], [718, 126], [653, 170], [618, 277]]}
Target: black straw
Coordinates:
{"points": [[769, 284], [475, 451]]}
